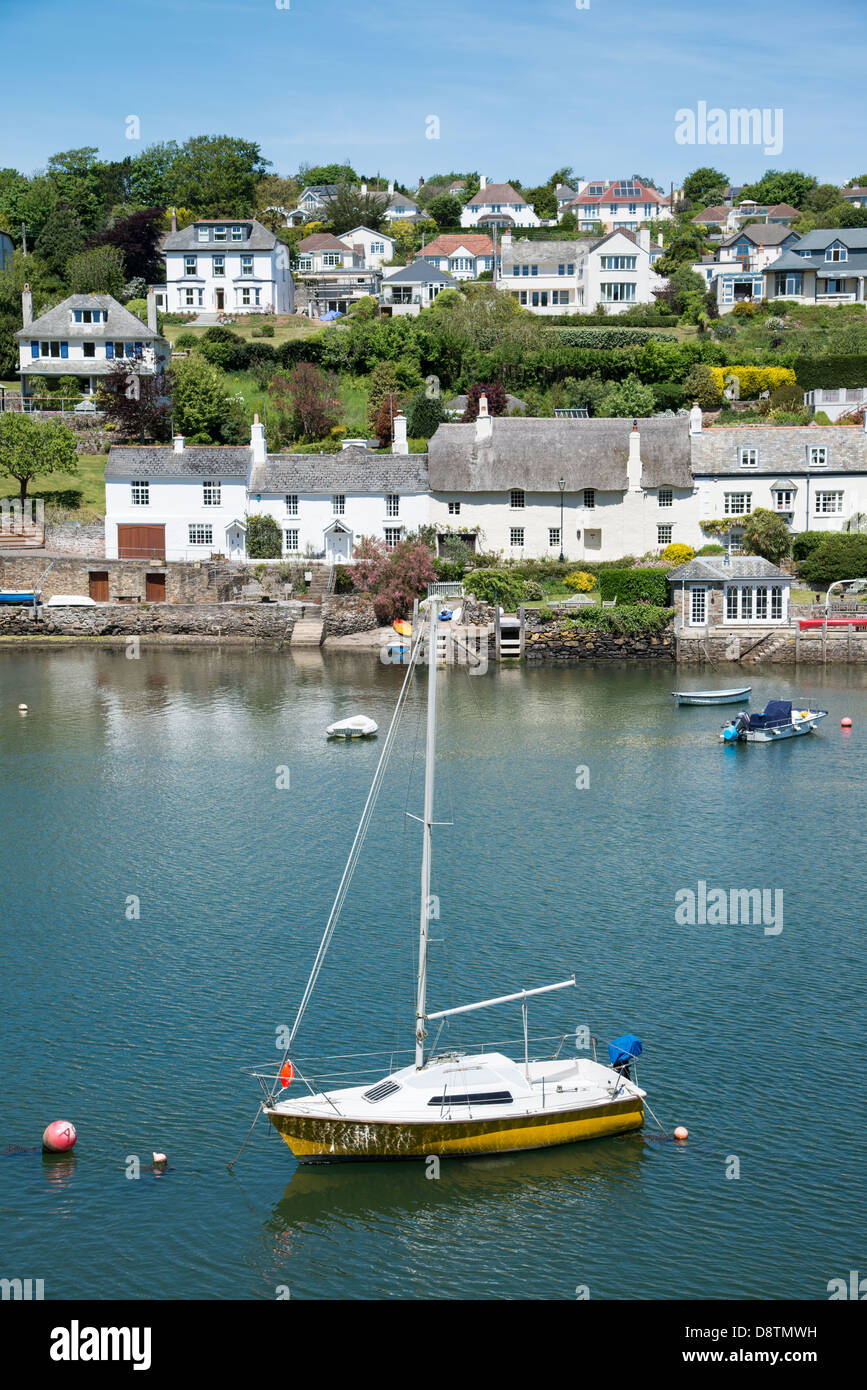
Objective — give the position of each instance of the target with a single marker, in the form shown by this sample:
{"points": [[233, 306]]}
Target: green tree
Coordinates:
{"points": [[20, 271], [543, 201], [217, 175], [765, 533], [313, 175], [705, 186], [627, 398], [308, 398], [838, 556], [775, 186], [34, 448], [61, 238], [383, 383], [204, 408], [700, 386], [264, 541], [424, 414], [151, 175], [445, 210], [351, 208], [101, 270]]}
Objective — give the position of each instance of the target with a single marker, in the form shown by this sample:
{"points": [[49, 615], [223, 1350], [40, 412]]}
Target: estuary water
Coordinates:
{"points": [[174, 829]]}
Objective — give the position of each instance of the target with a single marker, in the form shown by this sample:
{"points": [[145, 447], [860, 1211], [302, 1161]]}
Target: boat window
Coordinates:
{"points": [[482, 1098], [385, 1088]]}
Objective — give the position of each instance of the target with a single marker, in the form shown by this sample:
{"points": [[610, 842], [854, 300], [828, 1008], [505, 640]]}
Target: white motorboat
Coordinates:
{"points": [[777, 720], [359, 726], [447, 1103], [712, 697]]}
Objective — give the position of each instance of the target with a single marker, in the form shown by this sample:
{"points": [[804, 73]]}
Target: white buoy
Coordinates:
{"points": [[22, 709], [160, 1159]]}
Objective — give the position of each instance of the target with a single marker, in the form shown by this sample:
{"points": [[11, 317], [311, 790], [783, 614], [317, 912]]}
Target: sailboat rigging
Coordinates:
{"points": [[453, 1103]]}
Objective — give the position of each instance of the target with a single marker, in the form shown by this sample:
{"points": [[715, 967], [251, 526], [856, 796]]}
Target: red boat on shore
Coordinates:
{"points": [[851, 621]]}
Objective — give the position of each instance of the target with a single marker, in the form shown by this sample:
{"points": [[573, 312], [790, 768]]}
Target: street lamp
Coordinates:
{"points": [[562, 487]]}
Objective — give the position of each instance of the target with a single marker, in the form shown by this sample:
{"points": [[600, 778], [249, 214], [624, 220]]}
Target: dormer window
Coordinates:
{"points": [[817, 456], [516, 498], [219, 234], [237, 233], [748, 457], [837, 252], [204, 233]]}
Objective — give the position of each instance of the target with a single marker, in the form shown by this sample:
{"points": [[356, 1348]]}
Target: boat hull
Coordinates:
{"points": [[330, 1139], [711, 697]]}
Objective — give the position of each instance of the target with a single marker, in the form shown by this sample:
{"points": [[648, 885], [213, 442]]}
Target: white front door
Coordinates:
{"points": [[236, 543], [337, 547]]}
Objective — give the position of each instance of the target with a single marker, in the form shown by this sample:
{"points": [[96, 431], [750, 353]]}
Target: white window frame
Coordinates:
{"points": [[664, 539], [392, 504], [211, 493], [829, 503], [553, 536], [737, 503], [139, 492], [454, 508], [698, 605], [784, 499], [291, 503], [589, 501], [754, 603], [200, 533], [290, 546], [817, 456], [338, 503], [748, 456], [393, 536], [665, 497]]}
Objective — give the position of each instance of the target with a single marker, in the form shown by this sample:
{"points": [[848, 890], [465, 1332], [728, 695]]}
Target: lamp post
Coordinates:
{"points": [[562, 487]]}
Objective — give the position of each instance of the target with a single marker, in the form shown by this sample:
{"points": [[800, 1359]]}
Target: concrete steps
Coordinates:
{"points": [[319, 585], [307, 632], [22, 538]]}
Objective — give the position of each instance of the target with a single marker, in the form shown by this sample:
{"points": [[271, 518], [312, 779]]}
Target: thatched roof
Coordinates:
{"points": [[535, 454]]}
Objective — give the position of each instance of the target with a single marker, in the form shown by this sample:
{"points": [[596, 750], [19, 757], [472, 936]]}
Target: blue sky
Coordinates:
{"points": [[519, 89]]}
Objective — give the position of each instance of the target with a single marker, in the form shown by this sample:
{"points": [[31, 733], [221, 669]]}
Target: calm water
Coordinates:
{"points": [[157, 778]]}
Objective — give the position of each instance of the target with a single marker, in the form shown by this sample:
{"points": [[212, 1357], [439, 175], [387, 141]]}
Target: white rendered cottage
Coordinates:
{"points": [[573, 277], [593, 489], [227, 265], [83, 337]]}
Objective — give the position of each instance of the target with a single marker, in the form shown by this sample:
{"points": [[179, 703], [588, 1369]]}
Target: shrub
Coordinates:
{"points": [[264, 539], [580, 581], [533, 591], [497, 586], [185, 341], [711, 550], [753, 380], [634, 586], [766, 534], [342, 582], [267, 330], [633, 619], [609, 337], [676, 554], [393, 578], [839, 556], [805, 543], [701, 386], [545, 614]]}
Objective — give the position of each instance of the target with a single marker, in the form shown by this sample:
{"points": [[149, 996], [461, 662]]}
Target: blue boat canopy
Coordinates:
{"points": [[621, 1049]]}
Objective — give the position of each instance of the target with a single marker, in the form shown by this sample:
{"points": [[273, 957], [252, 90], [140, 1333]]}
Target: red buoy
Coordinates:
{"points": [[287, 1073], [59, 1137], [846, 722]]}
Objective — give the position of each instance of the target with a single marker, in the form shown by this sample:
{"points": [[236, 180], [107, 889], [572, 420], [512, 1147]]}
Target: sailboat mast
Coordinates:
{"points": [[427, 841]]}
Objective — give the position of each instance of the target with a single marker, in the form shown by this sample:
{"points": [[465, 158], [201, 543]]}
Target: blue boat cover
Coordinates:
{"points": [[621, 1049], [775, 712]]}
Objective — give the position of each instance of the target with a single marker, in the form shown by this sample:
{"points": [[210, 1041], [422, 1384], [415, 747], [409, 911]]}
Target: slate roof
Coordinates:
{"points": [[354, 470], [853, 237], [260, 239], [161, 461], [762, 234], [121, 323], [420, 273], [547, 252], [833, 270], [402, 200], [495, 193], [536, 453], [711, 568]]}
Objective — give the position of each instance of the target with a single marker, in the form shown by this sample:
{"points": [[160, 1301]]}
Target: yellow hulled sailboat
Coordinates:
{"points": [[449, 1104]]}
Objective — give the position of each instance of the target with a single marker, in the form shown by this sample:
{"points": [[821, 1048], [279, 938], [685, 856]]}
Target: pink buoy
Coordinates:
{"points": [[845, 722], [681, 1132], [59, 1137]]}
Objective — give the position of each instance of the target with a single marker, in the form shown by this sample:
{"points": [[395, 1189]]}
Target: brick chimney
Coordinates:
{"points": [[484, 422], [399, 441], [695, 421], [152, 312], [26, 306], [178, 443], [257, 440]]}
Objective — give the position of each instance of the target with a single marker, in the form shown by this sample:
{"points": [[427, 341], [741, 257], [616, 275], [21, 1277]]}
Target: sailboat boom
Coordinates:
{"points": [[503, 999]]}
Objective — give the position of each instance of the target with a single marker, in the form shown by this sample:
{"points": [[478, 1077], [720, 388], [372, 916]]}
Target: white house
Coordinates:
{"points": [[84, 336], [231, 265], [413, 288], [625, 203], [373, 248], [595, 489], [401, 208], [566, 277], [498, 205], [464, 257]]}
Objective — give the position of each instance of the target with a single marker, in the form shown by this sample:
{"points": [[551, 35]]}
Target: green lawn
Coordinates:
{"points": [[84, 495], [286, 327]]}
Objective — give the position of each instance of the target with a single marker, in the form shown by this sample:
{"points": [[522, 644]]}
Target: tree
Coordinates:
{"points": [[565, 175], [497, 398], [217, 175], [686, 244], [424, 414], [309, 398], [543, 201], [204, 409], [568, 221], [134, 402], [445, 210], [685, 294], [272, 194], [405, 237], [705, 186], [765, 533], [151, 175], [393, 578], [384, 428], [21, 270], [838, 556], [264, 541], [74, 174], [137, 237], [98, 271], [33, 448], [700, 386], [351, 208], [773, 187], [61, 238], [383, 383], [314, 175], [627, 398]]}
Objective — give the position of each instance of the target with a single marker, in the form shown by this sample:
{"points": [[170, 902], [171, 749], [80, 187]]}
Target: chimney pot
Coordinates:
{"points": [[399, 441], [178, 443], [695, 420], [26, 307]]}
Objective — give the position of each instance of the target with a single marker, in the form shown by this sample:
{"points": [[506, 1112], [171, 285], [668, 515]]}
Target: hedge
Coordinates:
{"points": [[634, 586], [830, 373], [840, 556], [610, 337], [806, 542]]}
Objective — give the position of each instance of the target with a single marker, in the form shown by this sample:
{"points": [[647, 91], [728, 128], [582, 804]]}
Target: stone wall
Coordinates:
{"points": [[554, 642], [347, 613], [187, 581], [783, 646], [76, 538], [268, 622]]}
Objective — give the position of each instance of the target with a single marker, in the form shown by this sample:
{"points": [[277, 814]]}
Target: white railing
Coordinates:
{"points": [[445, 589]]}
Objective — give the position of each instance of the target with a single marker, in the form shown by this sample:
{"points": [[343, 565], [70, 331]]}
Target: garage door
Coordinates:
{"points": [[141, 542]]}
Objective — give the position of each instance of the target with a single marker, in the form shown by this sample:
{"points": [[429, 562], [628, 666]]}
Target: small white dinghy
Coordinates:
{"points": [[711, 697], [359, 726]]}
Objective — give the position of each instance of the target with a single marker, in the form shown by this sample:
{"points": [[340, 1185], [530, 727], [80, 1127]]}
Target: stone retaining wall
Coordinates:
{"points": [[76, 538], [347, 613], [268, 622], [552, 643], [781, 646], [187, 581]]}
